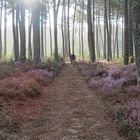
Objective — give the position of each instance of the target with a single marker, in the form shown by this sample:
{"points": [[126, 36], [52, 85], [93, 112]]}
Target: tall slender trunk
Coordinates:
{"points": [[130, 19], [22, 34], [62, 30], [105, 32], [15, 45], [136, 20], [42, 35], [116, 36], [97, 35], [45, 38], [91, 38], [5, 28], [79, 39], [36, 32], [17, 28], [65, 32], [55, 36], [122, 36], [29, 39], [116, 39], [55, 12], [50, 30], [100, 33], [108, 29], [109, 32], [0, 29], [45, 32], [73, 29], [82, 28], [126, 41], [69, 45]]}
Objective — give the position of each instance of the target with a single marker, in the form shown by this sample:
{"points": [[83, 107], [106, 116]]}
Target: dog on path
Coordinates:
{"points": [[72, 58]]}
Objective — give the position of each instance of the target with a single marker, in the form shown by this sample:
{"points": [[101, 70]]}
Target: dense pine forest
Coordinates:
{"points": [[70, 69], [90, 29]]}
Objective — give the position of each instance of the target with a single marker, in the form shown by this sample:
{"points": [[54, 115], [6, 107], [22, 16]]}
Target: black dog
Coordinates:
{"points": [[72, 58]]}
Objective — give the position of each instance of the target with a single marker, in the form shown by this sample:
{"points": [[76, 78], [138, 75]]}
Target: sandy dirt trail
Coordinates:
{"points": [[74, 112]]}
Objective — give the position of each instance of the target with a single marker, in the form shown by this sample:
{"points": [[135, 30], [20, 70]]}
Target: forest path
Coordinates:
{"points": [[74, 112]]}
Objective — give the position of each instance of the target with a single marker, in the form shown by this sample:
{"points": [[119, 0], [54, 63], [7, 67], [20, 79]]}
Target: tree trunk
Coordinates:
{"points": [[126, 38], [109, 32], [50, 30], [29, 40], [62, 30], [15, 38], [22, 34], [136, 20], [130, 25], [45, 33], [42, 36], [91, 38], [36, 32], [0, 29], [55, 12], [5, 29], [17, 28], [79, 38], [97, 35], [105, 32], [69, 28], [82, 28], [16, 53], [73, 29], [122, 36]]}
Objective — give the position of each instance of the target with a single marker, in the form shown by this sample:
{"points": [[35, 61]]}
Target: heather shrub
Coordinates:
{"points": [[95, 83], [5, 69], [23, 67], [133, 89], [30, 88], [118, 84], [108, 78], [48, 64], [129, 120], [16, 88], [132, 114], [56, 66], [86, 71], [115, 73], [41, 76], [41, 65], [117, 112], [10, 88], [81, 67], [92, 70], [129, 72]]}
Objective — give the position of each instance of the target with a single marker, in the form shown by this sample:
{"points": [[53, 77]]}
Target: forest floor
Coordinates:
{"points": [[73, 112]]}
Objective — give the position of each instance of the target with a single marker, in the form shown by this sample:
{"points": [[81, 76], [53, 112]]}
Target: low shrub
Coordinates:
{"points": [[10, 88], [49, 64], [41, 76], [128, 118], [30, 88], [15, 88], [5, 69], [118, 85]]}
